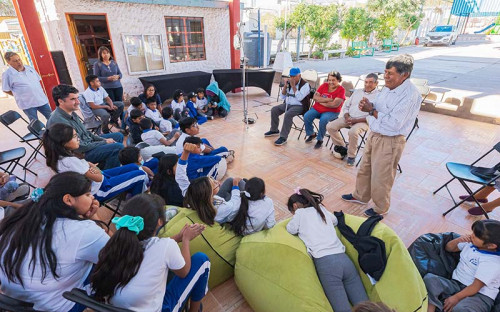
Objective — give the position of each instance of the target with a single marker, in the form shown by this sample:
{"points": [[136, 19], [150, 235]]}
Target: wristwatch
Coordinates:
{"points": [[371, 112]]}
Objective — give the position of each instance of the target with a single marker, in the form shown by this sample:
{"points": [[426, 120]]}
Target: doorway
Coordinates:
{"points": [[88, 33]]}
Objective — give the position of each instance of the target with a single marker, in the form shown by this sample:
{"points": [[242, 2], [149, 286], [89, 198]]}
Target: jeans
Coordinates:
{"points": [[107, 155], [108, 116], [45, 110], [324, 119]]}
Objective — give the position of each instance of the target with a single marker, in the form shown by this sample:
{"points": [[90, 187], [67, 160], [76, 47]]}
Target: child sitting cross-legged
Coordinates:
{"points": [[193, 109], [214, 166], [61, 140], [476, 279], [202, 103], [164, 183], [155, 115], [178, 105], [132, 155], [157, 142], [316, 228], [133, 267]]}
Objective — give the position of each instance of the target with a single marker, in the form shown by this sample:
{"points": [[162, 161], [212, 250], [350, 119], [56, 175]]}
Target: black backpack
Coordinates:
{"points": [[371, 250]]}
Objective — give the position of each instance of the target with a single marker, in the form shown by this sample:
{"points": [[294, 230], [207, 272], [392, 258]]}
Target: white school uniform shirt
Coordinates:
{"points": [[80, 166], [131, 108], [76, 245], [176, 105], [152, 137], [146, 290], [153, 115], [260, 215], [26, 87], [397, 110], [95, 96], [478, 264], [201, 102], [351, 105], [165, 126], [319, 237]]}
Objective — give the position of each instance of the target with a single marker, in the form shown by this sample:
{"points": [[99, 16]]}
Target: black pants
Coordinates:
{"points": [[115, 94]]}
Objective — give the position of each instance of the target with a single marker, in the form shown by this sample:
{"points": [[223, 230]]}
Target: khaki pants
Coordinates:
{"points": [[333, 128], [378, 170]]}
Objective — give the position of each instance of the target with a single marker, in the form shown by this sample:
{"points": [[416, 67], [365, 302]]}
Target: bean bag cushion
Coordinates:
{"points": [[274, 272], [217, 242]]}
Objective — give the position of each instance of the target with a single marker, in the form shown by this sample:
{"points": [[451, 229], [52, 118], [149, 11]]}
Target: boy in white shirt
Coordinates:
{"points": [[155, 115], [476, 279], [158, 143]]}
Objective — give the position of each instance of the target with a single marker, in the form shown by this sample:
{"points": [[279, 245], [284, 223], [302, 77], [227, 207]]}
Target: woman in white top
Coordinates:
{"points": [[134, 265], [316, 228], [256, 211], [61, 140], [49, 245]]}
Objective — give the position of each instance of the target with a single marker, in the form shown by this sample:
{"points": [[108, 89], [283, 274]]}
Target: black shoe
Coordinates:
{"points": [[280, 141], [371, 212], [310, 138], [339, 152], [318, 144], [271, 133]]}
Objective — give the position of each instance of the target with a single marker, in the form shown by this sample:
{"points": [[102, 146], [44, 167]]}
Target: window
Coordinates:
{"points": [[186, 41], [144, 53]]}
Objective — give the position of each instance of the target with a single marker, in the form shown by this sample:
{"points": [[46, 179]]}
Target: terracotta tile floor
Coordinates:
{"points": [[414, 211]]}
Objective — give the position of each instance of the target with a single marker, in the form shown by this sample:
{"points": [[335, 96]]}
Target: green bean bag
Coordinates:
{"points": [[274, 273], [217, 242]]}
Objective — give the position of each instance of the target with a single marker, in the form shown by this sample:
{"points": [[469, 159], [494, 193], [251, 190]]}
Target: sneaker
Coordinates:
{"points": [[210, 117], [350, 198], [476, 211], [310, 138], [271, 133], [280, 141], [318, 144], [371, 212], [350, 161], [339, 152], [468, 198]]}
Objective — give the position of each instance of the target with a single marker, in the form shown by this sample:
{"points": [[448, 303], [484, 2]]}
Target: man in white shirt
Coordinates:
{"points": [[354, 119], [295, 92], [101, 104], [23, 82], [391, 118]]}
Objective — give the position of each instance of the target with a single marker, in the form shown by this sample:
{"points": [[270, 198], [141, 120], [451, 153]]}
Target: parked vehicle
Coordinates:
{"points": [[441, 34]]}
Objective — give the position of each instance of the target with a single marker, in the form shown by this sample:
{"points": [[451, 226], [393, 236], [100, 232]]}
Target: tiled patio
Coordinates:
{"points": [[414, 210]]}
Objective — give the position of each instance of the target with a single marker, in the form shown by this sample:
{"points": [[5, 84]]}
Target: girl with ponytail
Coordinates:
{"points": [[134, 265], [48, 245], [256, 211], [316, 228]]}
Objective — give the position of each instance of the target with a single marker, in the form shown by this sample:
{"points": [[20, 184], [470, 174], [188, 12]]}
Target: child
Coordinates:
{"points": [[217, 99], [476, 279], [203, 107], [213, 202], [213, 166], [256, 212], [193, 109], [135, 118], [167, 113], [11, 194], [132, 155], [49, 246], [133, 267], [157, 142], [164, 183], [178, 105], [155, 115], [316, 228], [60, 141], [136, 103]]}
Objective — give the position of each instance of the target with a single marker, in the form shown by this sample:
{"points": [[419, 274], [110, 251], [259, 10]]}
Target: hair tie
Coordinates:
{"points": [[133, 224], [297, 190], [247, 195], [36, 194]]}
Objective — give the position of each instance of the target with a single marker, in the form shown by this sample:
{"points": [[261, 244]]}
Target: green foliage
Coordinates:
{"points": [[498, 20], [357, 24], [351, 52], [317, 54]]}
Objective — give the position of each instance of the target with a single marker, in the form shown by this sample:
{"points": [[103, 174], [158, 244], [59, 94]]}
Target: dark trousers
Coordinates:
{"points": [[115, 94]]}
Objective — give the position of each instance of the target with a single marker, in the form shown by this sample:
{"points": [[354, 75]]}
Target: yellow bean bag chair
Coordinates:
{"points": [[217, 242], [274, 273]]}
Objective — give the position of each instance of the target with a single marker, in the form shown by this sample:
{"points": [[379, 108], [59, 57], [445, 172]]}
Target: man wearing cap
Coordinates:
{"points": [[297, 101]]}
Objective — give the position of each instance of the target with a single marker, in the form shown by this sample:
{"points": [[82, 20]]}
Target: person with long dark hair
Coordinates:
{"points": [[164, 183], [315, 226], [109, 74], [48, 246], [150, 92], [256, 211], [134, 265]]}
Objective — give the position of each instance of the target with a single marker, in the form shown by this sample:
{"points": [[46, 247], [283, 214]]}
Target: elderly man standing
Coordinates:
{"points": [[23, 82], [296, 94], [391, 118], [354, 119]]}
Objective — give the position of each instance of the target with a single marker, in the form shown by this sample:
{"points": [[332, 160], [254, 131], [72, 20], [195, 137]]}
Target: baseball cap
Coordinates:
{"points": [[294, 71]]}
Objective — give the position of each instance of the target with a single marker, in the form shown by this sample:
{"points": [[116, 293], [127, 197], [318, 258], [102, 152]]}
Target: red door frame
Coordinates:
{"points": [[234, 19]]}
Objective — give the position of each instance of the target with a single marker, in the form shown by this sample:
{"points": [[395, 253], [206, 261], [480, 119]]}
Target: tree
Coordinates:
{"points": [[321, 24], [357, 24]]}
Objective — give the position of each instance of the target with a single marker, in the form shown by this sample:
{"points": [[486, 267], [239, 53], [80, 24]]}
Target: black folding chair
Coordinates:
{"points": [[361, 144], [364, 142], [114, 208], [9, 304], [37, 128], [11, 159], [80, 296], [462, 173], [9, 118]]}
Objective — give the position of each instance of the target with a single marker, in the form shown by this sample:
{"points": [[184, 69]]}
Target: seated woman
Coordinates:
{"points": [[328, 103], [60, 142], [133, 267], [49, 245], [150, 92]]}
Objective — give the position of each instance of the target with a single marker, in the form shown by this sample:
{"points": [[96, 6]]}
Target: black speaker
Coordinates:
{"points": [[61, 67]]}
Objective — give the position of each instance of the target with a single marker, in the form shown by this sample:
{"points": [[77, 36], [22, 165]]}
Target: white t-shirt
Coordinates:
{"points": [[152, 137], [78, 165], [154, 115], [76, 245], [95, 96], [145, 291], [131, 108], [261, 215], [319, 237], [474, 264], [176, 105], [165, 126], [201, 102]]}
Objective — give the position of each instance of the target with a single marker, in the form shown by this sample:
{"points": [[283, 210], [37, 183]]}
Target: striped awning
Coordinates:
{"points": [[474, 8]]}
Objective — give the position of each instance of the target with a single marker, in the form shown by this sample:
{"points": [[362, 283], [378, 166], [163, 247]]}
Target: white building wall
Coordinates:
{"points": [[140, 19]]}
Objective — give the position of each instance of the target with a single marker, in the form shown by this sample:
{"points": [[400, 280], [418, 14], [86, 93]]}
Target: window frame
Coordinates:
{"points": [[187, 45], [143, 44]]}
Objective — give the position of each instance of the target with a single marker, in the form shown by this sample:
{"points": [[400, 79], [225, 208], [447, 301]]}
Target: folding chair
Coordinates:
{"points": [[9, 304], [116, 209], [311, 77], [363, 141], [37, 128], [8, 119], [381, 81], [11, 158], [92, 122], [424, 91], [360, 145], [80, 296], [462, 173]]}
